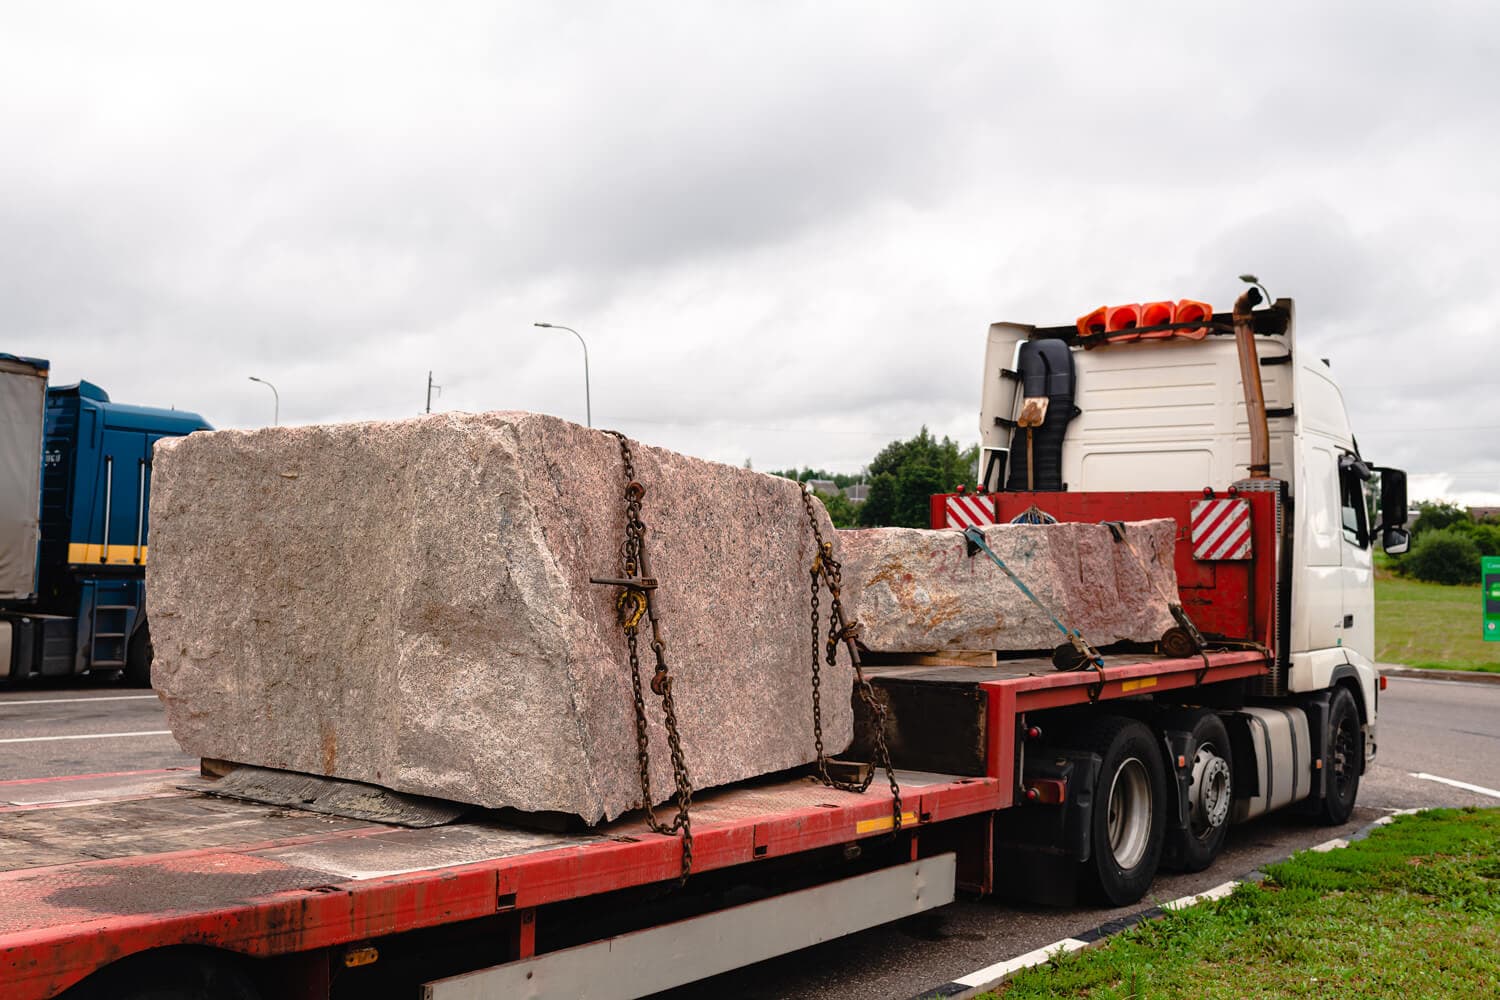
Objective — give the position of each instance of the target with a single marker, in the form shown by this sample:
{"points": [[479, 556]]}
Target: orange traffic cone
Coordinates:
{"points": [[1091, 324], [1157, 314], [1189, 311], [1120, 323]]}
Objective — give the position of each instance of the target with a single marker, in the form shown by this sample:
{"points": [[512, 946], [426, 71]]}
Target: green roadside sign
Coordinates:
{"points": [[1490, 574]]}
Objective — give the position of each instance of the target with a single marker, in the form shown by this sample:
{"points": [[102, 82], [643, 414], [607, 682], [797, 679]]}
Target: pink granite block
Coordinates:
{"points": [[407, 603]]}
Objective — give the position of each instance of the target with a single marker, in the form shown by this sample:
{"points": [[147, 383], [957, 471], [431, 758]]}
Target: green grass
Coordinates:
{"points": [[1430, 625], [1411, 912]]}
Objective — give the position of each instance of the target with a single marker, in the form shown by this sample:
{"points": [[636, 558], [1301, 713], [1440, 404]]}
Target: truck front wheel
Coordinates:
{"points": [[1129, 814], [1345, 756]]}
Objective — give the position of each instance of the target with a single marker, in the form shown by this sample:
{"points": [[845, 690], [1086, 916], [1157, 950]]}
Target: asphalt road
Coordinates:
{"points": [[83, 730], [1438, 728]]}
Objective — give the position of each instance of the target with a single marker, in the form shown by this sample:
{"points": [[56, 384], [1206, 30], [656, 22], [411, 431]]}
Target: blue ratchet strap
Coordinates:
{"points": [[1091, 656]]}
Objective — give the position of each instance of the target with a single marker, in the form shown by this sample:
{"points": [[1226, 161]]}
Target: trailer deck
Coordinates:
{"points": [[96, 868]]}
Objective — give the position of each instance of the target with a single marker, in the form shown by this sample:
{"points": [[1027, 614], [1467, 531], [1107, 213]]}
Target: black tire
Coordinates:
{"points": [[1344, 758], [1210, 793], [1130, 810], [138, 656]]}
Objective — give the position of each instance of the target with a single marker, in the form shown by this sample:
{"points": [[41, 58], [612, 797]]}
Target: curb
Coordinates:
{"points": [[994, 975], [1473, 676]]}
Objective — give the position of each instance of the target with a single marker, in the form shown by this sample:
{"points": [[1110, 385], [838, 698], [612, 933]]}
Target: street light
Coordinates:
{"points": [[276, 396], [588, 406]]}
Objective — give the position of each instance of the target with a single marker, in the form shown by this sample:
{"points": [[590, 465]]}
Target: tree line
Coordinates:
{"points": [[1447, 543], [902, 479]]}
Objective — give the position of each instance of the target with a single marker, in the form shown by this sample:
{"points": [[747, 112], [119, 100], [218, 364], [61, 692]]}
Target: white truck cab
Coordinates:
{"points": [[1170, 413]]}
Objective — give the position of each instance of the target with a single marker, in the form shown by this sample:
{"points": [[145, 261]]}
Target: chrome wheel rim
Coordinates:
{"points": [[1129, 813], [1208, 805]]}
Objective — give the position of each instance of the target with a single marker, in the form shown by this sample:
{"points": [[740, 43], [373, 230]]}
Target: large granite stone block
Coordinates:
{"points": [[915, 590], [408, 604]]}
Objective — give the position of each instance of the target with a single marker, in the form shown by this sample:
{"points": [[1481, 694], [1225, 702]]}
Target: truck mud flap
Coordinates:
{"points": [[1056, 828], [1176, 744]]}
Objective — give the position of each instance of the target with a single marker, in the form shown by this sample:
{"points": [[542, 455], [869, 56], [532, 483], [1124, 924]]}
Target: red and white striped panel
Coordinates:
{"points": [[1221, 529], [965, 511]]}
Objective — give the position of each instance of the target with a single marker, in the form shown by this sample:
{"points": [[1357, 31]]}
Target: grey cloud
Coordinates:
{"points": [[782, 228]]}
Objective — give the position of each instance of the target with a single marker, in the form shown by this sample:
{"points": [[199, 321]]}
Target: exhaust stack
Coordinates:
{"points": [[1255, 397]]}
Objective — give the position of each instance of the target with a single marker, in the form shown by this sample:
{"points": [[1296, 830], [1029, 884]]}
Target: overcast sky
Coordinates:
{"points": [[783, 228]]}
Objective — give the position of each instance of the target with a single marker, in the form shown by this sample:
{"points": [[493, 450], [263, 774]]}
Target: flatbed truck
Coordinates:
{"points": [[1016, 778]]}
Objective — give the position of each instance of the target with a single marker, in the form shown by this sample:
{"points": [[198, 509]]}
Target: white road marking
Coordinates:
{"points": [[1382, 821], [1217, 892], [1329, 845], [86, 736], [75, 701], [1457, 784], [987, 975]]}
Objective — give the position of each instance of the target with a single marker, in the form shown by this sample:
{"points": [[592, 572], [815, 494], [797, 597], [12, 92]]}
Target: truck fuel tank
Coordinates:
{"points": [[1272, 757]]}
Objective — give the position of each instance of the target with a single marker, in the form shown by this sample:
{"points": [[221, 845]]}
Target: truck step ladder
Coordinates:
{"points": [[111, 623]]}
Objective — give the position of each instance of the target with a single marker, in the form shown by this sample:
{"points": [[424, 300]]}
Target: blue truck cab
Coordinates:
{"points": [[87, 610]]}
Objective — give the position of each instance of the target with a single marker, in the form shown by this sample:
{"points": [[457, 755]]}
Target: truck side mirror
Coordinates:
{"points": [[1395, 541], [1392, 501]]}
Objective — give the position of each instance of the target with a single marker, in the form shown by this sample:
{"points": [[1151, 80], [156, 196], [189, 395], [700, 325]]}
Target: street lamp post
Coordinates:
{"points": [[588, 406], [276, 400]]}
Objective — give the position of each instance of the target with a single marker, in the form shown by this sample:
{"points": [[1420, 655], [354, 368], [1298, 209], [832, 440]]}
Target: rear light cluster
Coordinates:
{"points": [[1117, 324], [1046, 791]]}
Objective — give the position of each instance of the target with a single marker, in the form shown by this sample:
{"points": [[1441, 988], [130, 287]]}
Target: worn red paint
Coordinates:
{"points": [[62, 946]]}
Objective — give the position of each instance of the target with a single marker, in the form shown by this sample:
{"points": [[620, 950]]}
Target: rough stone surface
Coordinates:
{"points": [[915, 590], [408, 604]]}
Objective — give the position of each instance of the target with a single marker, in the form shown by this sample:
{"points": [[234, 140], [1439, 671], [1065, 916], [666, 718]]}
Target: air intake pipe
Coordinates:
{"points": [[1255, 397]]}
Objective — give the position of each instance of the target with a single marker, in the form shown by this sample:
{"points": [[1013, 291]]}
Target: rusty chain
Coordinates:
{"points": [[827, 571], [633, 604]]}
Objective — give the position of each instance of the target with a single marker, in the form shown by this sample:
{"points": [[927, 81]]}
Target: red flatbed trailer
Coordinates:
{"points": [[1014, 777], [100, 868]]}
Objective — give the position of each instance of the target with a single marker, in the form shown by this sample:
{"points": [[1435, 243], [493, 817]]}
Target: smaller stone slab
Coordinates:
{"points": [[915, 590]]}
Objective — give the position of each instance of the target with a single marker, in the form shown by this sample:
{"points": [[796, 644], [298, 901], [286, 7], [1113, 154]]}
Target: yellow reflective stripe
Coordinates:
{"points": [[1144, 682], [89, 552], [884, 823]]}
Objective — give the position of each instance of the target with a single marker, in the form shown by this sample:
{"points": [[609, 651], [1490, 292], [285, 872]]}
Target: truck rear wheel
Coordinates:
{"points": [[138, 658], [1345, 757], [1210, 794], [1129, 816]]}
